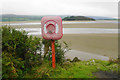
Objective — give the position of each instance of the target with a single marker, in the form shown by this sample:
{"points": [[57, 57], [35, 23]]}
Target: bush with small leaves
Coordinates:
{"points": [[19, 52]]}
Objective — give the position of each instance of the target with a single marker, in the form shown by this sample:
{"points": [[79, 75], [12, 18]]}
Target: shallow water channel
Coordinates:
{"points": [[37, 31]]}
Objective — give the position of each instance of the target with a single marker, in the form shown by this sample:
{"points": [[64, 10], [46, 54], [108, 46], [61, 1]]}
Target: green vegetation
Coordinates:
{"points": [[81, 69], [18, 52], [12, 17], [22, 58], [21, 53], [76, 18]]}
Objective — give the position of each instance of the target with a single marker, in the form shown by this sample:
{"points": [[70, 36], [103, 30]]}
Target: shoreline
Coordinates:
{"points": [[79, 25], [84, 56], [70, 24], [62, 21], [100, 44]]}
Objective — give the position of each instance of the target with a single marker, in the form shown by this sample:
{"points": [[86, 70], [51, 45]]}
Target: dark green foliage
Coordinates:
{"points": [[47, 45], [12, 67], [73, 18], [14, 42], [19, 52], [60, 50]]}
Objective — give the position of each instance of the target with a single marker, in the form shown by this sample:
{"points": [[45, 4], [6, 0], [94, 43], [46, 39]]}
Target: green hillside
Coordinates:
{"points": [[12, 17], [74, 18]]}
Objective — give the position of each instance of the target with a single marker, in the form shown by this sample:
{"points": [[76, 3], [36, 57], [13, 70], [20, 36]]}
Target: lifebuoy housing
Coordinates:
{"points": [[51, 28]]}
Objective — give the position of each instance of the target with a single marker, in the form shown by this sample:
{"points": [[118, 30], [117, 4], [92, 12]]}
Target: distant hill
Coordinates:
{"points": [[13, 17], [73, 18], [101, 18]]}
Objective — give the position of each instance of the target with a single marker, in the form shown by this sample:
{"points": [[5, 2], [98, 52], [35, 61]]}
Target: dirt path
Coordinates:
{"points": [[83, 55]]}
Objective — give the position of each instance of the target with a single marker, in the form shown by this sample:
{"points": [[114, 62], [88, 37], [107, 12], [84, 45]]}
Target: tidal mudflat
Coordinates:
{"points": [[101, 44], [103, 39], [67, 24]]}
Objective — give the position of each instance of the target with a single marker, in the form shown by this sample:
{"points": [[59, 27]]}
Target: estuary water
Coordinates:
{"points": [[64, 22], [37, 31]]}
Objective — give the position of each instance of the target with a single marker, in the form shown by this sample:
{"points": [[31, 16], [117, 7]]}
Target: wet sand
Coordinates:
{"points": [[98, 44], [84, 55], [78, 25], [92, 25], [101, 44]]}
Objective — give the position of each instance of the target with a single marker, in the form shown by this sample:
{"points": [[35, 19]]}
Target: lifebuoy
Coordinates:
{"points": [[45, 30]]}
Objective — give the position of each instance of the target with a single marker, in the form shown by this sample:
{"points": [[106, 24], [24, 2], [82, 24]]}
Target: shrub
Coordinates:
{"points": [[22, 52], [19, 51], [11, 67], [60, 50]]}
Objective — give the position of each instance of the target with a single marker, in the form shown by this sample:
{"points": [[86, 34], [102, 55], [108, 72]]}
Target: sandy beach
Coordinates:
{"points": [[99, 44], [69, 25]]}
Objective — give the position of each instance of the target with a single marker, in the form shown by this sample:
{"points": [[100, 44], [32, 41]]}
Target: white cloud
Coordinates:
{"points": [[107, 8]]}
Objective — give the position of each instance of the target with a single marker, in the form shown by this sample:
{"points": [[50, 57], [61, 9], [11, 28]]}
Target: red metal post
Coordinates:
{"points": [[53, 54]]}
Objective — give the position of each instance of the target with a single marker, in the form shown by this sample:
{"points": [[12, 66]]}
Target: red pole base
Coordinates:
{"points": [[53, 53]]}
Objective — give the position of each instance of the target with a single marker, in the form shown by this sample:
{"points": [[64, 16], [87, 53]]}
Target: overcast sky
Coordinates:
{"points": [[107, 8]]}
